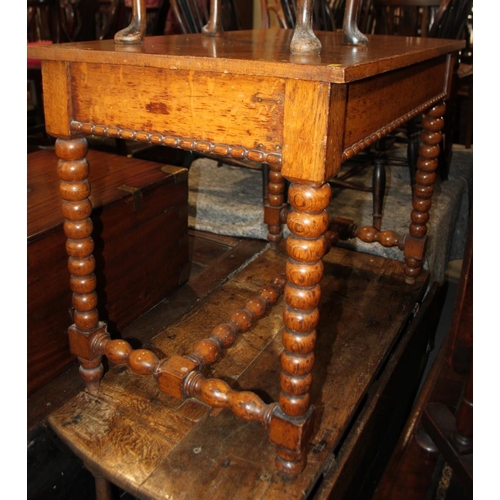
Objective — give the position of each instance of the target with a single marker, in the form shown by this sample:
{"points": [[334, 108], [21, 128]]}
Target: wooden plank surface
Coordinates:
{"points": [[212, 258], [192, 451]]}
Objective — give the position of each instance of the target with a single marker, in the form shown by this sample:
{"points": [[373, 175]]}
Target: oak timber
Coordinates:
{"points": [[187, 450]]}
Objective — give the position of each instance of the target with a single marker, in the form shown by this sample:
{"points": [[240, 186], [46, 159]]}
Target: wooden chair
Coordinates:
{"points": [[407, 17], [156, 15], [193, 15], [329, 16], [434, 19], [289, 419], [456, 23], [286, 12]]}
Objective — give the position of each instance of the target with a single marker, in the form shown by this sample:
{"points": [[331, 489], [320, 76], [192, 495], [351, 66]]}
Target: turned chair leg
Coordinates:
{"points": [[412, 150], [103, 488], [378, 183]]}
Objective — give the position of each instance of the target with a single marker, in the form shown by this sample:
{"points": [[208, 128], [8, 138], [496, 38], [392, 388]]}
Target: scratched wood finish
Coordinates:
{"points": [[186, 450], [137, 275], [374, 103], [253, 92], [243, 111], [263, 52], [212, 258]]}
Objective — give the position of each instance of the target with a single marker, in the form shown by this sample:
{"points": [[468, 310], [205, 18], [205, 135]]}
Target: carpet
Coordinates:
{"points": [[228, 200]]}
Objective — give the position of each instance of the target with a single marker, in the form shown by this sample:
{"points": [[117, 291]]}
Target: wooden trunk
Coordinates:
{"points": [[140, 212]]}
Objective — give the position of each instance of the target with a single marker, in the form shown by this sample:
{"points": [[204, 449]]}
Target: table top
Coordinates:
{"points": [[185, 449], [262, 52]]}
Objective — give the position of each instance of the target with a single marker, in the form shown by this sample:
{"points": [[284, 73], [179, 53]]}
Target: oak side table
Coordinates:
{"points": [[243, 95]]}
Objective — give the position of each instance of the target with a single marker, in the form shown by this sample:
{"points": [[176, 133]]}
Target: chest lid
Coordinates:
{"points": [[112, 178]]}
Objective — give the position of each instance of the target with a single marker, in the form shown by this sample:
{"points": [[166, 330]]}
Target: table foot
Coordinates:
{"points": [[291, 435]]}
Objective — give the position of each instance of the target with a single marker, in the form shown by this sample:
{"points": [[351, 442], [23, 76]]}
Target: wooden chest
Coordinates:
{"points": [[141, 249]]}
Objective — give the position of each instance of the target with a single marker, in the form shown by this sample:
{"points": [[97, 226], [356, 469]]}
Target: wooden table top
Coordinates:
{"points": [[262, 52], [156, 446]]}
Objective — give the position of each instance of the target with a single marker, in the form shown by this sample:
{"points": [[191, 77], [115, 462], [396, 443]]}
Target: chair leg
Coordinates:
{"points": [[412, 150], [103, 489], [378, 183], [468, 126]]}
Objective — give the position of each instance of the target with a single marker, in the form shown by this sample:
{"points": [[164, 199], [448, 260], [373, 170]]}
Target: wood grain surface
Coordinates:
{"points": [[156, 447], [263, 52]]}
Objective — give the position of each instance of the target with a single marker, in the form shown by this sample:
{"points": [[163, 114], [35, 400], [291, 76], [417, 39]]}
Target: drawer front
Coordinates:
{"points": [[376, 103], [214, 109]]}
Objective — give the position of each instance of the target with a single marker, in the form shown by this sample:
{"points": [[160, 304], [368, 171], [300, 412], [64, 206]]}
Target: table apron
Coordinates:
{"points": [[260, 118], [378, 105], [187, 109]]}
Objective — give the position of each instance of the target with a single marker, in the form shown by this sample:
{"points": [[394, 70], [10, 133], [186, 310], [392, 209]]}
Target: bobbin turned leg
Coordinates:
{"points": [[425, 177], [275, 204], [73, 172], [291, 423]]}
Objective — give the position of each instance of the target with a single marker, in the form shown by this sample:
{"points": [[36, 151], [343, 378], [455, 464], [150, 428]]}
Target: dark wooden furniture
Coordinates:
{"points": [[193, 15], [134, 202], [153, 445], [435, 19], [440, 425], [243, 95], [408, 17], [286, 14]]}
